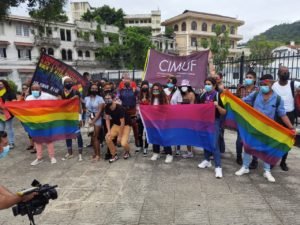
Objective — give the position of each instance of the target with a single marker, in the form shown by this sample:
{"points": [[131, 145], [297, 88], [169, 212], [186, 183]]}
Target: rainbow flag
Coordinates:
{"points": [[4, 114], [261, 136], [47, 120], [168, 125]]}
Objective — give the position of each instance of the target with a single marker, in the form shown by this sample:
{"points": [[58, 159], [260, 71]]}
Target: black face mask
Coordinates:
{"points": [[107, 91], [284, 77], [145, 89], [94, 93], [68, 86]]}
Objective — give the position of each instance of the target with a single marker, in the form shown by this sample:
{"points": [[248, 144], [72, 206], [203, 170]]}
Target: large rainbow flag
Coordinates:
{"points": [[168, 125], [47, 120], [261, 136]]}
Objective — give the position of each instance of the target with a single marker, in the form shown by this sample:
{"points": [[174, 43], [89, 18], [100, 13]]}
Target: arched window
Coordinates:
{"points": [[70, 55], [43, 50], [213, 28], [232, 30], [223, 28], [50, 51], [87, 54], [183, 26], [194, 25], [79, 53], [176, 27], [204, 26], [63, 54]]}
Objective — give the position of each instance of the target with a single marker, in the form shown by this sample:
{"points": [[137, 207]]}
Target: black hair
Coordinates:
{"points": [[3, 134], [220, 75], [213, 82], [6, 85], [266, 77], [90, 92], [85, 74], [173, 79], [251, 72], [110, 94]]}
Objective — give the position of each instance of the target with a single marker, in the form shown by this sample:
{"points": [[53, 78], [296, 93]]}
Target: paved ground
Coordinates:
{"points": [[139, 191]]}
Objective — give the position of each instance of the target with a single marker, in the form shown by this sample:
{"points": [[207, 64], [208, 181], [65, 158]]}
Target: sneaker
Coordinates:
{"points": [[36, 162], [145, 151], [218, 172], [107, 156], [188, 155], [204, 164], [284, 167], [138, 149], [53, 160], [67, 156], [253, 165], [169, 159], [126, 155], [269, 176], [80, 158], [242, 171], [11, 146], [113, 159], [155, 156]]}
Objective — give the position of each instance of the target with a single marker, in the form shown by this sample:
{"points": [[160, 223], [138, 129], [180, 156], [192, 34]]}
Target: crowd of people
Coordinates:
{"points": [[110, 111]]}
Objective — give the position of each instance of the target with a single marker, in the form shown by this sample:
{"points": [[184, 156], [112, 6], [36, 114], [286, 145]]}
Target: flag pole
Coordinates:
{"points": [[146, 63]]}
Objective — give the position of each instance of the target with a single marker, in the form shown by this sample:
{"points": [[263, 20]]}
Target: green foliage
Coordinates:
{"points": [[261, 47], [84, 35], [220, 44], [169, 32], [12, 86], [204, 43], [107, 15], [99, 37]]}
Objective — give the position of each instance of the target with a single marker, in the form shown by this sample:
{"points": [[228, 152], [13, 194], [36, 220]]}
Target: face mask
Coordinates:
{"points": [[35, 94], [94, 93], [1, 87], [156, 92], [284, 77], [68, 86], [107, 91], [108, 102], [248, 82], [265, 89], [145, 89], [170, 85], [208, 88], [127, 84], [4, 152], [184, 89]]}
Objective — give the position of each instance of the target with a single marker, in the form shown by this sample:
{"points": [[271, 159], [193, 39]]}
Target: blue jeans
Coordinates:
{"points": [[247, 160], [10, 130], [79, 141], [216, 153]]}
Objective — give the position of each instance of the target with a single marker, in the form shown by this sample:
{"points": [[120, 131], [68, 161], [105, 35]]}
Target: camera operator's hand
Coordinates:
{"points": [[28, 197]]}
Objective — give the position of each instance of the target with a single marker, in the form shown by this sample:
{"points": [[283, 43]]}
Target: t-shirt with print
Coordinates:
{"points": [[92, 104], [205, 98], [117, 114]]}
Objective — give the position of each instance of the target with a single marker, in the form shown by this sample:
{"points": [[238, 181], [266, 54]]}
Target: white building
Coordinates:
{"points": [[21, 42], [78, 9], [287, 49], [152, 20]]}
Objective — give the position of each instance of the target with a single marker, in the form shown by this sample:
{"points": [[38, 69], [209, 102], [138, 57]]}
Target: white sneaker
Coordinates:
{"points": [[67, 156], [218, 172], [36, 162], [53, 160], [269, 176], [204, 164], [242, 171], [80, 158], [169, 159], [188, 155], [155, 156]]}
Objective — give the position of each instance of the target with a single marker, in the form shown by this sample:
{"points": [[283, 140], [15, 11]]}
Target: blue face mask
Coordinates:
{"points": [[265, 89], [248, 82], [170, 85], [208, 88], [35, 94], [4, 152]]}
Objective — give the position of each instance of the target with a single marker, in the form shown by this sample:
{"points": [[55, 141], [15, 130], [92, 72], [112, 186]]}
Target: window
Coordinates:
{"points": [[223, 28], [24, 53], [26, 30], [232, 30], [194, 41], [223, 43], [175, 27], [63, 54], [87, 54], [204, 26], [70, 58], [49, 31], [183, 26], [62, 35], [1, 28], [2, 52], [171, 45], [79, 53], [213, 28], [22, 30], [19, 29], [194, 25], [50, 51], [231, 43], [69, 35]]}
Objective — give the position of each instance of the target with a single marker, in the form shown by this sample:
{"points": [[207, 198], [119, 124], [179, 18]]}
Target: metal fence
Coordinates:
{"points": [[234, 70], [116, 75]]}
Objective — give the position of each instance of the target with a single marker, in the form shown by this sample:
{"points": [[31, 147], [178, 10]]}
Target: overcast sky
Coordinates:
{"points": [[259, 15]]}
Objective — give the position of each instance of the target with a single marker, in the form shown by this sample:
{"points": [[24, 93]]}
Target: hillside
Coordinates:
{"points": [[283, 33]]}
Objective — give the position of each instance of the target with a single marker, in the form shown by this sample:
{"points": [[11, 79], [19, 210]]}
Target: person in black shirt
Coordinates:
{"points": [[69, 93], [120, 128], [6, 94]]}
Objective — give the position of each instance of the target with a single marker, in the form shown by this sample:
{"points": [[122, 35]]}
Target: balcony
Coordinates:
{"points": [[47, 41], [88, 45], [236, 36], [89, 63]]}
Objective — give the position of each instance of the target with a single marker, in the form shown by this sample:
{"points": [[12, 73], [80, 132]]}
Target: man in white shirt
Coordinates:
{"points": [[285, 89]]}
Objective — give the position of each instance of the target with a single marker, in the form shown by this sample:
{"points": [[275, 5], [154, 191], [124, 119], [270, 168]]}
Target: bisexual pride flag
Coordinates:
{"points": [[168, 125]]}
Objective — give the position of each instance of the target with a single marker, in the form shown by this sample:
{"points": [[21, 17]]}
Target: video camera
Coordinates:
{"points": [[36, 205]]}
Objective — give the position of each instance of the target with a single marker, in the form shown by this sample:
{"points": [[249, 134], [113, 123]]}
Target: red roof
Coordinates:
{"points": [[4, 43], [5, 70], [24, 44]]}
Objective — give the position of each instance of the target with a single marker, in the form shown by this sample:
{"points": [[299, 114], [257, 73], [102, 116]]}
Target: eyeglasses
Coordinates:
{"points": [[3, 134]]}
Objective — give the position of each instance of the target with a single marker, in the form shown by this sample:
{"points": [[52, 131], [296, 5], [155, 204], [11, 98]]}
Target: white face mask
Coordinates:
{"points": [[4, 152], [184, 89]]}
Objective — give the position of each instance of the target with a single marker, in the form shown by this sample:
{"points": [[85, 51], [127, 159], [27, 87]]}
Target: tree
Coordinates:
{"points": [[261, 47], [219, 44], [107, 15], [169, 32], [204, 43]]}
